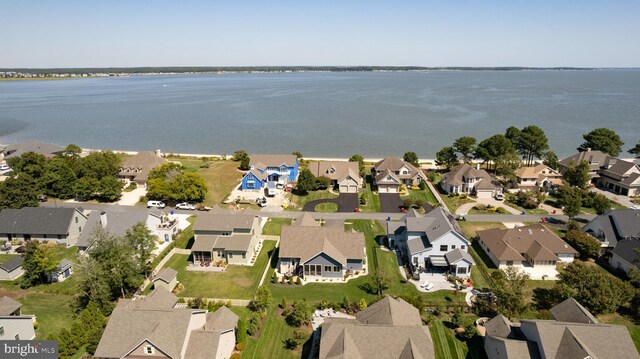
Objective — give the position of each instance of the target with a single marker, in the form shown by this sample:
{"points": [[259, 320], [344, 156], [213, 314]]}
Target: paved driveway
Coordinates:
{"points": [[390, 202], [347, 202], [623, 200]]}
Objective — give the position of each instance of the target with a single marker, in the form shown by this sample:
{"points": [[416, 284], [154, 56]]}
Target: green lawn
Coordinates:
{"points": [[445, 343], [422, 195], [53, 312], [454, 202], [372, 199], [273, 227], [7, 257], [326, 207], [237, 282], [486, 211], [299, 201], [221, 177], [527, 211]]}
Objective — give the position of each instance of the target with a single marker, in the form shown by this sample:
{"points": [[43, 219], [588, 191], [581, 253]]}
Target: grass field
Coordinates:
{"points": [[470, 228], [527, 211], [221, 177], [445, 343], [373, 201], [326, 207], [273, 227], [299, 201], [237, 282], [53, 312], [270, 344], [423, 195]]}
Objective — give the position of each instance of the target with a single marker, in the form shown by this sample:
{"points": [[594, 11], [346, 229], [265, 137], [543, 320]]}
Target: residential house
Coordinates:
{"points": [[388, 329], [533, 249], [319, 253], [433, 240], [614, 226], [62, 272], [595, 159], [9, 307], [278, 169], [231, 238], [14, 325], [573, 333], [470, 180], [137, 168], [166, 278], [620, 177], [540, 176], [62, 225], [12, 268], [391, 172], [153, 329], [16, 150], [117, 221], [343, 175]]}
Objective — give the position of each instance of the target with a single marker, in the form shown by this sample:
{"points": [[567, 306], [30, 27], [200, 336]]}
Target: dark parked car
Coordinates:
{"points": [[42, 198], [20, 249]]}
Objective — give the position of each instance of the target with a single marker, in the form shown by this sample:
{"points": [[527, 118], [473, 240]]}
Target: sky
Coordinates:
{"points": [[119, 33]]}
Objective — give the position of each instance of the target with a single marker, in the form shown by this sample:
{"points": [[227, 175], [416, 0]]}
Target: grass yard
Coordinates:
{"points": [[422, 195], [327, 207], [221, 177], [237, 282], [445, 343], [299, 201], [471, 228], [454, 202], [527, 211], [373, 201], [53, 312], [273, 227], [7, 257]]}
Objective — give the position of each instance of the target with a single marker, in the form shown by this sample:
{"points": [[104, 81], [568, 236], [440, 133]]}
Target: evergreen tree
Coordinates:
{"points": [[446, 157], [412, 158], [464, 146], [602, 139]]}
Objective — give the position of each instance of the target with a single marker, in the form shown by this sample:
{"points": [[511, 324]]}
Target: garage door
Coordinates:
{"points": [[353, 189], [344, 189], [485, 194]]}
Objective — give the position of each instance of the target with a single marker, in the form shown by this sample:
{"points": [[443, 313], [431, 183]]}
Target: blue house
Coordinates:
{"points": [[278, 169]]}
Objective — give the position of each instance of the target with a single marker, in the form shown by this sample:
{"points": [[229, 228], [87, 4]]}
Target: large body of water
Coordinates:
{"points": [[319, 114]]}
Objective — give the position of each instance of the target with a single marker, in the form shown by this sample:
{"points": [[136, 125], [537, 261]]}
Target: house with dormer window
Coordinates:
{"points": [[344, 176], [470, 180], [265, 169], [391, 172], [230, 238]]}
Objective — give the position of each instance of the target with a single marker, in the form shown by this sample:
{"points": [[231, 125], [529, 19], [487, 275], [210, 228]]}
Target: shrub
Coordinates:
{"points": [[241, 346], [290, 280], [274, 277], [241, 336], [586, 245], [501, 210], [36, 325], [408, 202], [362, 304], [235, 356], [573, 226], [363, 200], [346, 303], [290, 343], [300, 314], [423, 184], [299, 281]]}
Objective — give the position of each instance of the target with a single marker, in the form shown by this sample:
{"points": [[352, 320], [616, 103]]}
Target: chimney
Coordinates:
{"points": [[103, 219], [158, 152]]}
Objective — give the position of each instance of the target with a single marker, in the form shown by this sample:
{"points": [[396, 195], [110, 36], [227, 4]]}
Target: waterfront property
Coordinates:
{"points": [[344, 176], [469, 180], [540, 176], [228, 238], [136, 169], [266, 169], [60, 225], [389, 328], [618, 232], [317, 253], [432, 240], [391, 172], [16, 150], [573, 333], [595, 160], [533, 249], [152, 327]]}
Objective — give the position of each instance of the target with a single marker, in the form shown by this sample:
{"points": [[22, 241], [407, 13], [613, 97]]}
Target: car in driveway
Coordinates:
{"points": [[4, 169], [499, 196], [156, 204], [186, 206]]}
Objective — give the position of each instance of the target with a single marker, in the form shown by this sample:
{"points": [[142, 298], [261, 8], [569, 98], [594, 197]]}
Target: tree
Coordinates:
{"points": [[446, 157], [597, 290], [531, 143], [322, 182], [602, 139], [143, 243], [600, 203], [243, 158], [464, 146], [18, 191], [509, 290], [30, 163], [59, 178], [109, 189], [189, 187], [493, 147], [166, 171], [72, 150], [261, 300], [358, 158], [381, 280], [577, 175], [411, 157], [586, 245], [550, 159], [297, 154], [512, 134], [92, 323], [39, 261], [306, 181], [241, 336], [98, 165], [67, 347], [85, 188], [570, 200], [635, 150], [362, 304], [301, 314], [506, 165]]}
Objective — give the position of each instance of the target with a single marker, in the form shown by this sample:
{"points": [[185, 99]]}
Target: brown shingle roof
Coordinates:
{"points": [[335, 170], [390, 311], [9, 305], [457, 175], [306, 220], [222, 320], [307, 242], [394, 164], [159, 298], [594, 158], [535, 240], [140, 165]]}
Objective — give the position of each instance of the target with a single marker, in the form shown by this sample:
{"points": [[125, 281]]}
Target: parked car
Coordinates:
{"points": [[186, 206], [20, 249], [262, 202], [42, 198], [202, 207], [499, 196], [5, 168], [156, 204], [635, 207]]}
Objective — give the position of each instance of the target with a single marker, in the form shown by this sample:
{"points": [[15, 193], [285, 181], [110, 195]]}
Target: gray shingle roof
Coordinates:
{"points": [[222, 222], [12, 264], [626, 249], [394, 164], [264, 161], [596, 159], [36, 220], [615, 225], [64, 265], [458, 174], [390, 311], [166, 275], [307, 242], [222, 319], [18, 149], [236, 242], [457, 255], [434, 225], [9, 305], [159, 298], [118, 222], [572, 311]]}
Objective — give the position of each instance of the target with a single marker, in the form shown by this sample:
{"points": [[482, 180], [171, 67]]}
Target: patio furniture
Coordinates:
{"points": [[428, 286]]}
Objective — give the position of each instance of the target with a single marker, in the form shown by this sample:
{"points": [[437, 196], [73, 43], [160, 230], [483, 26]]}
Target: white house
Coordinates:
{"points": [[17, 327]]}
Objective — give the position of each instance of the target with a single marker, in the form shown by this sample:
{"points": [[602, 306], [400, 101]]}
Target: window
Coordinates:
{"points": [[443, 248], [462, 270], [230, 255], [79, 229], [244, 255], [327, 268], [220, 254], [336, 269], [76, 219], [415, 260], [166, 237], [59, 236], [453, 246], [148, 350], [509, 263], [462, 246]]}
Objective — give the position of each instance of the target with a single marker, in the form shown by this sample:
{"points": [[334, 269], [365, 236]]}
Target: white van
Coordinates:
{"points": [[156, 204]]}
